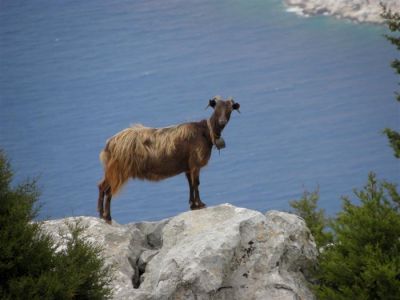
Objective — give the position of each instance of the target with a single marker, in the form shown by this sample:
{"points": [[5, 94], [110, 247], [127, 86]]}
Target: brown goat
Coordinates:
{"points": [[158, 153]]}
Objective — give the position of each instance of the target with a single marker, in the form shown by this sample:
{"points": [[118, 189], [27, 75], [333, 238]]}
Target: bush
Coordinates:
{"points": [[392, 20], [84, 273], [30, 266], [315, 218], [361, 249], [364, 260]]}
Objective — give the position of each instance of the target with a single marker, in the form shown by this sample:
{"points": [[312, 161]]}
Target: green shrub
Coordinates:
{"points": [[84, 272], [392, 20], [361, 245], [363, 262], [30, 266], [315, 218]]}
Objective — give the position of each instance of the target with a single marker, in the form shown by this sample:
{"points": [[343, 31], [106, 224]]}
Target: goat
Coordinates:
{"points": [[158, 153]]}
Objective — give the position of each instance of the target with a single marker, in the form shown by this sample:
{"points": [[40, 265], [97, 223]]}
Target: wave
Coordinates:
{"points": [[355, 10]]}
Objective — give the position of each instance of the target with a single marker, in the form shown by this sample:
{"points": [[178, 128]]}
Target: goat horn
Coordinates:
{"points": [[216, 98]]}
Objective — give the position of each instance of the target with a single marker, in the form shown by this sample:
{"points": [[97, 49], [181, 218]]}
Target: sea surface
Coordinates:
{"points": [[315, 95]]}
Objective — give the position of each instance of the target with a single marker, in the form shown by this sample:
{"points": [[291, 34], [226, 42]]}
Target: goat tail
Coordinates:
{"points": [[114, 174], [104, 156]]}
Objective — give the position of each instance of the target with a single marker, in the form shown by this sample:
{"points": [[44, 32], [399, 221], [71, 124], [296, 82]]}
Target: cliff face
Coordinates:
{"points": [[222, 252]]}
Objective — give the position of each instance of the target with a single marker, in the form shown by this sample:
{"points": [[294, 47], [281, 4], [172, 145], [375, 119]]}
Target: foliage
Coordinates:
{"points": [[394, 140], [315, 218], [30, 265], [363, 262], [393, 22], [85, 274]]}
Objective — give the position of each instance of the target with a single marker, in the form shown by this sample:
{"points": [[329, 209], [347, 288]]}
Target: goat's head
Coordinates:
{"points": [[222, 110], [220, 117]]}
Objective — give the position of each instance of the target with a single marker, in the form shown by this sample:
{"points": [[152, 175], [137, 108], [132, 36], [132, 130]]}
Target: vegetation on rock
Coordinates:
{"points": [[32, 265], [360, 257], [315, 218]]}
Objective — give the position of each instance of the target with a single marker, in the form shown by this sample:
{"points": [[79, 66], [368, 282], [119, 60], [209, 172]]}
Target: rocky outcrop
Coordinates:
{"points": [[221, 252], [356, 10]]}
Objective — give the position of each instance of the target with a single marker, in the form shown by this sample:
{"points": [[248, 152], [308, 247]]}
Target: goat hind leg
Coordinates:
{"points": [[103, 186], [107, 211]]}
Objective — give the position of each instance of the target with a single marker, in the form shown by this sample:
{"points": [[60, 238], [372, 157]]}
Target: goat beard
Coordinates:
{"points": [[220, 143]]}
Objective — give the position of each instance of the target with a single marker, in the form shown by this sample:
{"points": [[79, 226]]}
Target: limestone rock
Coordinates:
{"points": [[221, 252]]}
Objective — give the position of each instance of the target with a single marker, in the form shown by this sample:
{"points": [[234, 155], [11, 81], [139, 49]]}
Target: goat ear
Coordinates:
{"points": [[212, 103], [236, 106]]}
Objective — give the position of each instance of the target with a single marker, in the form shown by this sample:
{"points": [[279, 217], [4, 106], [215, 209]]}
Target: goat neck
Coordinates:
{"points": [[215, 132]]}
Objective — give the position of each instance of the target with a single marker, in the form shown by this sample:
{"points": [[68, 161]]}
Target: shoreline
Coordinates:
{"points": [[359, 11]]}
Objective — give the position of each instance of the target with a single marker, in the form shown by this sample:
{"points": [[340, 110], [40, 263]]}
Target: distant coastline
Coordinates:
{"points": [[363, 11]]}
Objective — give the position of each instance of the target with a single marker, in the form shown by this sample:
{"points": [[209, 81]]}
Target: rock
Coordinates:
{"points": [[152, 231], [221, 252], [356, 10]]}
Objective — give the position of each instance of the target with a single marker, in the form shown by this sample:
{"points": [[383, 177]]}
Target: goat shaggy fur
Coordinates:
{"points": [[130, 152]]}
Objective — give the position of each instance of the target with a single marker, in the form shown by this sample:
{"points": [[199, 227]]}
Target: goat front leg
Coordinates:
{"points": [[191, 190], [197, 204]]}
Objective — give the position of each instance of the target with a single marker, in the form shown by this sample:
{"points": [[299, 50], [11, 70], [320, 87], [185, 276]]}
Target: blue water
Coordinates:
{"points": [[315, 94]]}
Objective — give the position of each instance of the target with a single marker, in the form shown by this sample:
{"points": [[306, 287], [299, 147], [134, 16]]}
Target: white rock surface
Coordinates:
{"points": [[221, 252], [356, 10]]}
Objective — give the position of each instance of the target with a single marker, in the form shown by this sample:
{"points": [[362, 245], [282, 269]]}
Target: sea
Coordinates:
{"points": [[315, 95]]}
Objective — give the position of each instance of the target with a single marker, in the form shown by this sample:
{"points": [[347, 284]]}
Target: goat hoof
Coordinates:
{"points": [[107, 219], [196, 206]]}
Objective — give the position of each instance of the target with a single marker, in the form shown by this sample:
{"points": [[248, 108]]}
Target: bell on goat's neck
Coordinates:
{"points": [[220, 143]]}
